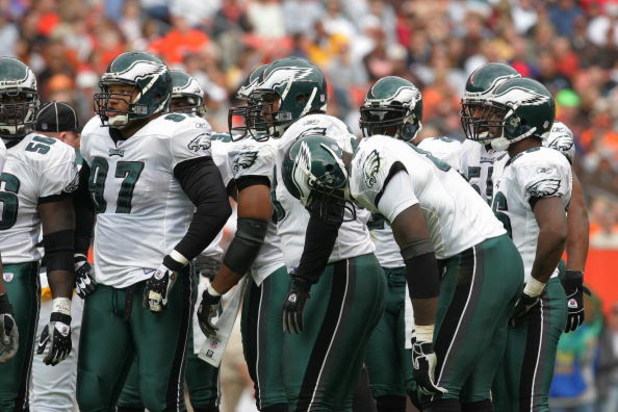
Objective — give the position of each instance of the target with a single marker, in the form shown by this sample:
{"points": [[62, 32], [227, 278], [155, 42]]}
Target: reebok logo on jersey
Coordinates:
{"points": [[116, 152]]}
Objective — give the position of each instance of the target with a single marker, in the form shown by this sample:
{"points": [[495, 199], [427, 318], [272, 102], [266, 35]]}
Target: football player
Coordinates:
{"points": [[160, 201], [327, 335], [530, 197], [438, 222], [201, 378], [255, 249], [39, 177], [477, 164]]}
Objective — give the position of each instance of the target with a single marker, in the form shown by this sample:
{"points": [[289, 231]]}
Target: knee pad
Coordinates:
{"points": [[443, 405], [485, 405], [391, 403]]}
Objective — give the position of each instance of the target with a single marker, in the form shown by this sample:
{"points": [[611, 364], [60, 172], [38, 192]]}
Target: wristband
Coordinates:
{"points": [[179, 258], [212, 292], [423, 333], [534, 288], [62, 305]]}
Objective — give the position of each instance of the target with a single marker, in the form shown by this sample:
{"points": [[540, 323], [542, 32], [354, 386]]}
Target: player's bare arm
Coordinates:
{"points": [[578, 228], [552, 237]]}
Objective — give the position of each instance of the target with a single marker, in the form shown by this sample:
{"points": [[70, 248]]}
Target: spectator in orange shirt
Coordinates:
{"points": [[179, 41]]}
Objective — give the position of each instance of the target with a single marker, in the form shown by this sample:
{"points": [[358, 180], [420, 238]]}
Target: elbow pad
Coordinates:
{"points": [[421, 270], [247, 242], [59, 250]]}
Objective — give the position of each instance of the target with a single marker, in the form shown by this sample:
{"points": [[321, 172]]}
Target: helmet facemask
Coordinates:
{"points": [[188, 104], [18, 108], [393, 120]]}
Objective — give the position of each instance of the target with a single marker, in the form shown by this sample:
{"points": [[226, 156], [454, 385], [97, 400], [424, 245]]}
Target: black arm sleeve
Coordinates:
{"points": [[84, 212], [202, 182], [320, 240]]}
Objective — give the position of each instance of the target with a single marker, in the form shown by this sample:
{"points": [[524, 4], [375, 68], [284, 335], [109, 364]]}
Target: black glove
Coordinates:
{"points": [[9, 336], [159, 286], [207, 266], [84, 276], [573, 284], [294, 305], [423, 368], [59, 339], [209, 308], [523, 305]]}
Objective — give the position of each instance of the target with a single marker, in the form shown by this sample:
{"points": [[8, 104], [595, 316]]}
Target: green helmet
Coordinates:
{"points": [[151, 80], [224, 137], [187, 94], [313, 164], [393, 107], [479, 88], [248, 111], [520, 108], [19, 99], [298, 85]]}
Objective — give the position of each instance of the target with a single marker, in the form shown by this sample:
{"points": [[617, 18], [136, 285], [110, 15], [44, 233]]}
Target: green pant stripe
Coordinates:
{"points": [[328, 332], [459, 311], [262, 335], [543, 332]]}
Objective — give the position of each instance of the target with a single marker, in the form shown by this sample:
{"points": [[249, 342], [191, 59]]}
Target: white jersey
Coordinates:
{"points": [[353, 238], [456, 217], [37, 169], [531, 175], [446, 149], [249, 157], [387, 251], [477, 165], [142, 210]]}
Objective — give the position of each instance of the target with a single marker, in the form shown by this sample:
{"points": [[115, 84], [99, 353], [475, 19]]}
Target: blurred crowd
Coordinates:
{"points": [[569, 45]]}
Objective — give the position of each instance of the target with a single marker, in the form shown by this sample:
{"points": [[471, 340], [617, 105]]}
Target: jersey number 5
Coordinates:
{"points": [[128, 171]]}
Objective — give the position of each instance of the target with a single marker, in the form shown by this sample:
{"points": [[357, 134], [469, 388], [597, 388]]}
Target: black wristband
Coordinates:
{"points": [[5, 305], [173, 264], [60, 317]]}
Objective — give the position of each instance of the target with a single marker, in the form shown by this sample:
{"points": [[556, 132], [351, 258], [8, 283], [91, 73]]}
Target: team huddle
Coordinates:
{"points": [[433, 263]]}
